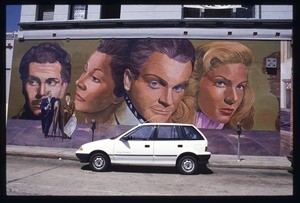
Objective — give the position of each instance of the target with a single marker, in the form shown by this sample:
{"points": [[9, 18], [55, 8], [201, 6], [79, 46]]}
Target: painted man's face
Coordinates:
{"points": [[94, 91], [222, 91], [43, 77], [68, 98], [159, 89]]}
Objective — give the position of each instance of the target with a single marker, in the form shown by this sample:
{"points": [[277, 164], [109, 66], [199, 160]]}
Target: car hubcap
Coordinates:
{"points": [[99, 162], [188, 165]]}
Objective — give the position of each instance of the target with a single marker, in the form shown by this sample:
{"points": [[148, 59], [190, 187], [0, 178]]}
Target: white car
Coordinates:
{"points": [[150, 144]]}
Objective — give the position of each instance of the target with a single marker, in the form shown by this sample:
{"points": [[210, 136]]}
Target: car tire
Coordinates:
{"points": [[99, 162], [188, 165]]}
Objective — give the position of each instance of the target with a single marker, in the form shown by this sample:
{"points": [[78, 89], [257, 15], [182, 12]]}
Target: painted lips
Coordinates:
{"points": [[226, 111], [162, 111], [79, 98], [36, 103]]}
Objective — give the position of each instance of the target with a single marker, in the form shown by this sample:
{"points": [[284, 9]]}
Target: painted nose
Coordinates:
{"points": [[80, 83], [165, 98], [41, 91], [231, 96]]}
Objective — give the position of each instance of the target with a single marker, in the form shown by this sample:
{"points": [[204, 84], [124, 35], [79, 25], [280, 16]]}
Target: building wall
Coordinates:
{"points": [[9, 58], [61, 12], [94, 12], [28, 13], [286, 73], [276, 12], [151, 12], [136, 12]]}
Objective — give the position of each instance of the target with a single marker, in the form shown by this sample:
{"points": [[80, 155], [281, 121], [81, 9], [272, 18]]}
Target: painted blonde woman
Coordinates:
{"points": [[219, 95]]}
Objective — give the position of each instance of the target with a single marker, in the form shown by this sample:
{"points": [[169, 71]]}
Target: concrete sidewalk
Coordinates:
{"points": [[216, 160]]}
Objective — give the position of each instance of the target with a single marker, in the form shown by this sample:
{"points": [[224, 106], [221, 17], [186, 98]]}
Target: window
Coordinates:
{"points": [[191, 133], [192, 12], [45, 12], [110, 11], [245, 12], [218, 11], [168, 133], [142, 133], [78, 12]]}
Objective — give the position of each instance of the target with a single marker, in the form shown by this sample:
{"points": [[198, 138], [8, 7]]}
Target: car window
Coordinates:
{"points": [[191, 133], [142, 133], [168, 133]]}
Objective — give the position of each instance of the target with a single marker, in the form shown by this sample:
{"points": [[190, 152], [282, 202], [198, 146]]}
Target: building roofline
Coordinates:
{"points": [[161, 23]]}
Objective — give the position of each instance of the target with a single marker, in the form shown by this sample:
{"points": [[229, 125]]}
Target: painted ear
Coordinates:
{"points": [[127, 79]]}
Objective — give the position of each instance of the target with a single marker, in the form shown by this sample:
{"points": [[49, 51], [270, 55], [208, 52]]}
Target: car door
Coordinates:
{"points": [[136, 147], [167, 145]]}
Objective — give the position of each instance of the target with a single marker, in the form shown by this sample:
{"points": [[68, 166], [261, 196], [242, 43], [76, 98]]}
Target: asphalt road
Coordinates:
{"points": [[41, 176]]}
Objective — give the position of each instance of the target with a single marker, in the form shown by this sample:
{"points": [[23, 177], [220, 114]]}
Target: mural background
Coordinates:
{"points": [[266, 103]]}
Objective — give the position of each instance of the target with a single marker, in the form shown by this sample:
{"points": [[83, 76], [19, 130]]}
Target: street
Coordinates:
{"points": [[41, 176]]}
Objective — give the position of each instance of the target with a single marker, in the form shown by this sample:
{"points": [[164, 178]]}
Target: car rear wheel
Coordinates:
{"points": [[188, 165], [99, 162]]}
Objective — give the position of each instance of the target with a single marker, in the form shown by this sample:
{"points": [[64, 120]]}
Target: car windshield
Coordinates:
{"points": [[118, 135]]}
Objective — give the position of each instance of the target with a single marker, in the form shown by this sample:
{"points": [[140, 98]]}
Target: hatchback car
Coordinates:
{"points": [[150, 144]]}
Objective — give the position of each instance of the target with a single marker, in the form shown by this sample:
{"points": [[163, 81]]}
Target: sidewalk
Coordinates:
{"points": [[216, 160]]}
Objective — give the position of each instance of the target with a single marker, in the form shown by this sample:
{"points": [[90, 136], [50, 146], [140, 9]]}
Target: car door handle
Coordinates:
{"points": [[147, 146], [180, 145]]}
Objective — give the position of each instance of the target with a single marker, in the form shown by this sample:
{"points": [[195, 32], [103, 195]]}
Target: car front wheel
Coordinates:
{"points": [[187, 165], [99, 162]]}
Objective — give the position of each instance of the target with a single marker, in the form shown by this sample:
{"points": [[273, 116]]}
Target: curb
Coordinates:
{"points": [[249, 166], [49, 156], [216, 160]]}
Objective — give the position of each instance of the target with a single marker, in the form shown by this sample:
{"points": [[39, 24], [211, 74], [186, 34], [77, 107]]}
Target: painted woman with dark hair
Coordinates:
{"points": [[45, 67], [99, 89]]}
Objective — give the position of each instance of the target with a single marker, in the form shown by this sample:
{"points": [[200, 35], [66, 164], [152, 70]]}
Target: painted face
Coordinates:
{"points": [[160, 86], [43, 77], [94, 91], [222, 91], [68, 98]]}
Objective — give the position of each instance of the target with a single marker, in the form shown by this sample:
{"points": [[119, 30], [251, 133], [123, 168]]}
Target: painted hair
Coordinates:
{"points": [[210, 56], [180, 50], [118, 50], [46, 52]]}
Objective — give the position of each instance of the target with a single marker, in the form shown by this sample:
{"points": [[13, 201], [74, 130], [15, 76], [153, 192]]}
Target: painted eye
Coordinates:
{"points": [[52, 83], [178, 88], [240, 87], [154, 84], [33, 83], [95, 79], [220, 84]]}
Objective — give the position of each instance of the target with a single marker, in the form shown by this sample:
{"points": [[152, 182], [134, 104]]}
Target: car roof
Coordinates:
{"points": [[169, 124]]}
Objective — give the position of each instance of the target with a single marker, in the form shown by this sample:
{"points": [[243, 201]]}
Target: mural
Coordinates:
{"points": [[213, 84]]}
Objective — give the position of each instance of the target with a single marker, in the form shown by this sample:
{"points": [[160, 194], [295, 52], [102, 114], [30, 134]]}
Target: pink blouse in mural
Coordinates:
{"points": [[203, 121]]}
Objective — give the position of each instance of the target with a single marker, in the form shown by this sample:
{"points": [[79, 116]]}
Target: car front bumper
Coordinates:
{"points": [[83, 158]]}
